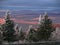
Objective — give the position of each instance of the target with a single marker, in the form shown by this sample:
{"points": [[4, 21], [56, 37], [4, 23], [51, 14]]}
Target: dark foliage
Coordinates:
{"points": [[45, 29]]}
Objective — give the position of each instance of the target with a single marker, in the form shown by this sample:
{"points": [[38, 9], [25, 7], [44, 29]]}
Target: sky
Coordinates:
{"points": [[34, 5], [28, 11]]}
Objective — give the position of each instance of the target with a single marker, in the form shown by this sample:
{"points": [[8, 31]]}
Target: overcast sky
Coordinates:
{"points": [[29, 10], [35, 5]]}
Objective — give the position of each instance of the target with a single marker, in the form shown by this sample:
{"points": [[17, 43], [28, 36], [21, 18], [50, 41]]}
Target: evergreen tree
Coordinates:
{"points": [[45, 28], [8, 28], [21, 33], [32, 35], [1, 37]]}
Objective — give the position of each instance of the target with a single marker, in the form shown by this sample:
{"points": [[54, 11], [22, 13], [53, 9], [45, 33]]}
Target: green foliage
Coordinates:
{"points": [[32, 35], [1, 38], [42, 33], [45, 29], [8, 29], [22, 37]]}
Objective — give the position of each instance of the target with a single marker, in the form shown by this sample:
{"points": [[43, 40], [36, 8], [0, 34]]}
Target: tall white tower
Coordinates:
{"points": [[16, 28], [27, 33], [40, 18], [30, 26], [20, 29]]}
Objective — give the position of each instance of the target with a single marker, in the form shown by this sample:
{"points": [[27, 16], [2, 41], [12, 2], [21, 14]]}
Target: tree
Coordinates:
{"points": [[8, 28], [21, 34], [45, 28], [31, 34], [1, 37]]}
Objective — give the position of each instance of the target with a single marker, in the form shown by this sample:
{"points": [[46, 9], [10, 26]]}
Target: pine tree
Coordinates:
{"points": [[21, 33], [31, 34], [45, 28], [1, 37], [8, 28]]}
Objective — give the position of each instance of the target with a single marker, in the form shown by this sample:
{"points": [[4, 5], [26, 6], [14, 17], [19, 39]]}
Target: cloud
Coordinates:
{"points": [[56, 25], [55, 12], [26, 22], [37, 18], [53, 18], [2, 21], [32, 21], [2, 10], [19, 16]]}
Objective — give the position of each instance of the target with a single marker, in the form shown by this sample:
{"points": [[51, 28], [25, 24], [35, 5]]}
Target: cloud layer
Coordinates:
{"points": [[33, 21]]}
